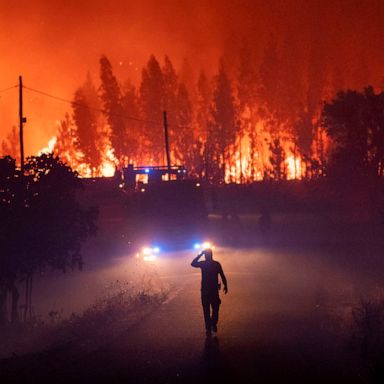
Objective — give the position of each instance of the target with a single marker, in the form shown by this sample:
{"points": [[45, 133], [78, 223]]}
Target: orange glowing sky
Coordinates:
{"points": [[53, 44]]}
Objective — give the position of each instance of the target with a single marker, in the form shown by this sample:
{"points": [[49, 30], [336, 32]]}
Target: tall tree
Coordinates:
{"points": [[271, 108], [374, 118], [113, 108], [223, 130], [297, 130], [85, 116], [152, 107], [247, 94], [65, 146], [344, 119], [171, 87], [203, 122], [130, 103], [277, 160], [355, 122], [203, 108], [183, 136], [307, 133], [303, 139]]}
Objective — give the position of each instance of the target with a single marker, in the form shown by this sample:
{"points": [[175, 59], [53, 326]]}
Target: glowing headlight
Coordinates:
{"points": [[149, 253], [202, 246]]}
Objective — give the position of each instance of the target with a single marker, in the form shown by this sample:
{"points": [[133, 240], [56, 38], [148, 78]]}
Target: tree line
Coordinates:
{"points": [[261, 119]]}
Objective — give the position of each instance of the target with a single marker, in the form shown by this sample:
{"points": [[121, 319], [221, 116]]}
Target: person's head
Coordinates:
{"points": [[208, 254]]}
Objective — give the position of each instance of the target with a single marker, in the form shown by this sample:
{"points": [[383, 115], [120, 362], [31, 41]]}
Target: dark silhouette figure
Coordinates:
{"points": [[210, 269]]}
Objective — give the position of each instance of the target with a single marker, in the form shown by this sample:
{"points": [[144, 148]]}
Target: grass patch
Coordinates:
{"points": [[122, 305]]}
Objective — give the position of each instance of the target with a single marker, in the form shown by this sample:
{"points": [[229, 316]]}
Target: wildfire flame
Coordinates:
{"points": [[107, 167], [245, 165], [294, 169], [50, 146]]}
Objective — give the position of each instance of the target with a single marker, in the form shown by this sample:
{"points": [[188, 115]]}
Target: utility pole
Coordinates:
{"points": [[165, 121], [22, 120]]}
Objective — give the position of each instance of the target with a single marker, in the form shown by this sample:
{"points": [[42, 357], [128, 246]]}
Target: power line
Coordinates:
{"points": [[87, 106], [7, 89], [96, 109]]}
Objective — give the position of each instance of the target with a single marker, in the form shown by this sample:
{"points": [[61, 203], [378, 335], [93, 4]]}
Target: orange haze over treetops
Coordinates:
{"points": [[54, 44]]}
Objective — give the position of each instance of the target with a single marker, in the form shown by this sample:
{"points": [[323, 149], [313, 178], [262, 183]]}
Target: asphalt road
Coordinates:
{"points": [[281, 321]]}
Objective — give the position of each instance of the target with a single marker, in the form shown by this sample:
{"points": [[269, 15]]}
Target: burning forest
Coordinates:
{"points": [[248, 107]]}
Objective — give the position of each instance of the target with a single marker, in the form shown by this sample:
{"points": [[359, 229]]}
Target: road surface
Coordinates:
{"points": [[281, 321]]}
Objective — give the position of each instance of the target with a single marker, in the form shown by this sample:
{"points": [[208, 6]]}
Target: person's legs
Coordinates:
{"points": [[206, 309], [215, 312]]}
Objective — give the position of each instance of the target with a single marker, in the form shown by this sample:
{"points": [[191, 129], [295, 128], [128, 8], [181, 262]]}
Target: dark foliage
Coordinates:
{"points": [[41, 223], [355, 122]]}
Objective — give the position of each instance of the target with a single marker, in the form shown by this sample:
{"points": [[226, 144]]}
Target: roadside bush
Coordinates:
{"points": [[368, 333]]}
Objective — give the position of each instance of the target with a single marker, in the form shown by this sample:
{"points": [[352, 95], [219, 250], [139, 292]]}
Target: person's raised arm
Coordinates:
{"points": [[223, 279], [195, 262]]}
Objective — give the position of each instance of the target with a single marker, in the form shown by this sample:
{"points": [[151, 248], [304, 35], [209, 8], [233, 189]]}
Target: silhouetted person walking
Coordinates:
{"points": [[210, 269]]}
